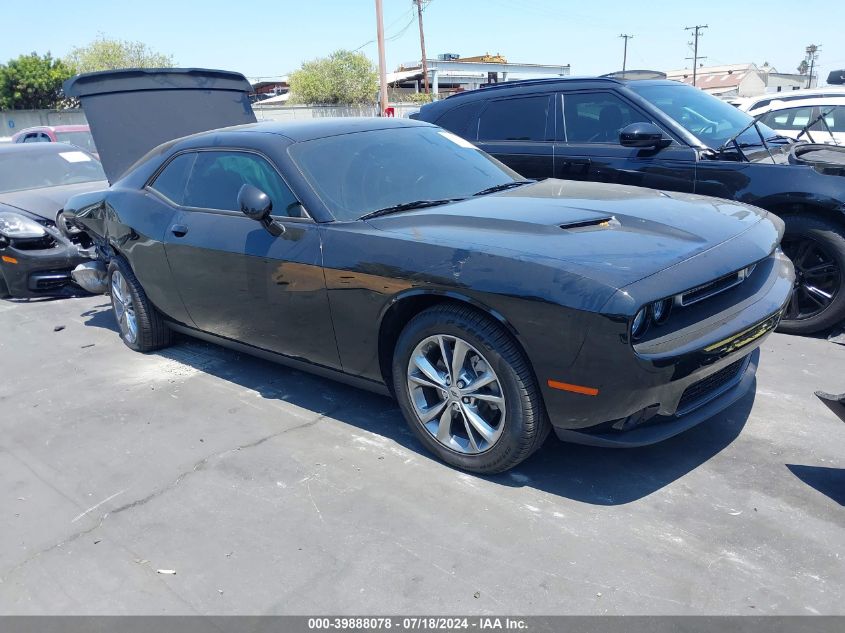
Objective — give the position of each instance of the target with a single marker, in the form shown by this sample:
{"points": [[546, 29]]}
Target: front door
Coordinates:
{"points": [[588, 147], [236, 279]]}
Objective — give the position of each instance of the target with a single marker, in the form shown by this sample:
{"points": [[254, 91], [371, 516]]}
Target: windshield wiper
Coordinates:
{"points": [[503, 187], [408, 206], [755, 123]]}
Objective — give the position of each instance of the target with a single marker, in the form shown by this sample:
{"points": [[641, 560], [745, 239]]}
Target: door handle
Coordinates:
{"points": [[179, 230]]}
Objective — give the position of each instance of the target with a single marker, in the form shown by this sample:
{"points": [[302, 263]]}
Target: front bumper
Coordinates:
{"points": [[659, 428], [41, 272], [652, 390]]}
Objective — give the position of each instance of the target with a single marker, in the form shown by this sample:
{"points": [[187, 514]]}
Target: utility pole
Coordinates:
{"points": [[382, 72], [419, 4], [625, 53], [812, 55], [697, 28]]}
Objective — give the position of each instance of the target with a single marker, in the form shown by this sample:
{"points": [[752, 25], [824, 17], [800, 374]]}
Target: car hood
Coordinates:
{"points": [[132, 111], [612, 233], [48, 201]]}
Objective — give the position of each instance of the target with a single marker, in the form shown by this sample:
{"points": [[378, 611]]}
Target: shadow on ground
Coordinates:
{"points": [[828, 481], [591, 475]]}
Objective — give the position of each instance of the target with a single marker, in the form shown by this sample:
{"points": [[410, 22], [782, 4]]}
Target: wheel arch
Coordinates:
{"points": [[405, 306], [816, 208]]}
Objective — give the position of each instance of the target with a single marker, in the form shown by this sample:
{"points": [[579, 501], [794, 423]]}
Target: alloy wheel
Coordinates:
{"points": [[817, 278], [123, 307], [456, 395]]}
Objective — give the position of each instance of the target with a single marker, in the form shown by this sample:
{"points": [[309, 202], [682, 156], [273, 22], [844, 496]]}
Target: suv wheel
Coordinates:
{"points": [[817, 249]]}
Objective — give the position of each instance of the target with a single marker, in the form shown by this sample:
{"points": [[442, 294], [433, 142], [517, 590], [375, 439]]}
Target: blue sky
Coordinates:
{"points": [[262, 38]]}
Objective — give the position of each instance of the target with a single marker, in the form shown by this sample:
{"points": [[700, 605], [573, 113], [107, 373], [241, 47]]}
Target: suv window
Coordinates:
{"points": [[597, 117], [172, 180], [217, 177], [457, 120], [522, 119]]}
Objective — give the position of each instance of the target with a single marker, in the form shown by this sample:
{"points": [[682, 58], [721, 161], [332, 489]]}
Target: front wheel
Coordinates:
{"points": [[817, 249], [467, 390], [141, 326]]}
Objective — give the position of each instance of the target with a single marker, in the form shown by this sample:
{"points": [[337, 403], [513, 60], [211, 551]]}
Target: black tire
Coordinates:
{"points": [[828, 243], [525, 426], [152, 330]]}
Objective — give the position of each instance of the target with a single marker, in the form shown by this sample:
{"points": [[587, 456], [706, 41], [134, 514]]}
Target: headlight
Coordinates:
{"points": [[640, 324], [660, 310], [17, 226]]}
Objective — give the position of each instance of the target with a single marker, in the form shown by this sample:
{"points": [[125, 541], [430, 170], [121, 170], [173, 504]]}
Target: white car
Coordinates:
{"points": [[760, 102], [824, 115]]}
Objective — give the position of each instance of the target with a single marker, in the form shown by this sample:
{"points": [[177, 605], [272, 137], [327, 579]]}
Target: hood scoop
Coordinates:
{"points": [[598, 222]]}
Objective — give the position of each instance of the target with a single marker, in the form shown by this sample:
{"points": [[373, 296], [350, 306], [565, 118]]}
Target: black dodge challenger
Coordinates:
{"points": [[396, 256]]}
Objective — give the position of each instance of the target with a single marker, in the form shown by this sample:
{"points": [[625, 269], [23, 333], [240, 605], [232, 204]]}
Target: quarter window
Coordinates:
{"points": [[217, 177], [597, 117], [172, 180], [521, 119]]}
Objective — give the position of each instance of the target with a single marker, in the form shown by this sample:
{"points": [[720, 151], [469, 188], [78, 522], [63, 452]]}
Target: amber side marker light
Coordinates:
{"points": [[565, 386], [9, 260]]}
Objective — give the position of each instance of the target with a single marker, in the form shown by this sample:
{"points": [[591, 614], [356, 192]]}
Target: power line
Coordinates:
{"points": [[697, 28]]}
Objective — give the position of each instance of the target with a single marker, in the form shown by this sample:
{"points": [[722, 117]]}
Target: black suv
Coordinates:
{"points": [[668, 135]]}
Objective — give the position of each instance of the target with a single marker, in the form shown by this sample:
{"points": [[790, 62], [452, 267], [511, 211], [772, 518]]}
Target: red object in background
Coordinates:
{"points": [[390, 111]]}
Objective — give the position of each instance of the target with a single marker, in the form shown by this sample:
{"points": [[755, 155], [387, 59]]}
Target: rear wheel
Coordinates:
{"points": [[817, 249], [467, 390], [141, 326]]}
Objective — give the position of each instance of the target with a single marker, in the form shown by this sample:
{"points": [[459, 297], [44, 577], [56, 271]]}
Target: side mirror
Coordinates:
{"points": [[256, 205], [643, 135]]}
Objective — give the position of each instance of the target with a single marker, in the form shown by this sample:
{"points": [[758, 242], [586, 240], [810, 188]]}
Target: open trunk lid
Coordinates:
{"points": [[132, 111]]}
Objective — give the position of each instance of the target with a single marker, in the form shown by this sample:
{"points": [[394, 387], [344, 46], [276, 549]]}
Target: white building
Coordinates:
{"points": [[451, 73], [740, 80]]}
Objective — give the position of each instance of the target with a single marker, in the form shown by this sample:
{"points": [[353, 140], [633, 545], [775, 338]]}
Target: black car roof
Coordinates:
{"points": [[552, 81], [309, 129]]}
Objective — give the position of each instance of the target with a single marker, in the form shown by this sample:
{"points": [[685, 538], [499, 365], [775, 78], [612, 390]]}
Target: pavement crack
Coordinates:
{"points": [[199, 465]]}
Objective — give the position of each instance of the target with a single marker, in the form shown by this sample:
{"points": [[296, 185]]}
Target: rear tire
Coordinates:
{"points": [[141, 326], [487, 419], [817, 249]]}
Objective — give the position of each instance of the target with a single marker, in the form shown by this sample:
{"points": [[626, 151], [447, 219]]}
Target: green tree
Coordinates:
{"points": [[342, 78], [32, 82], [108, 54]]}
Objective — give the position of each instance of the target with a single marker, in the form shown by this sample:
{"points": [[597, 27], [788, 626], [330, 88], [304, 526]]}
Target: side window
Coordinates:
{"points": [[457, 120], [172, 180], [31, 138], [789, 119], [597, 117], [45, 139], [522, 119], [217, 177]]}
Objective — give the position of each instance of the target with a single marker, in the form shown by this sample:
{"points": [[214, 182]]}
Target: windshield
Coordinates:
{"points": [[355, 174], [34, 170], [80, 139], [709, 119]]}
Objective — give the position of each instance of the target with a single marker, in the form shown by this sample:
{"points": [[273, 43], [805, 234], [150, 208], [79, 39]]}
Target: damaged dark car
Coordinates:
{"points": [[38, 251], [398, 257]]}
